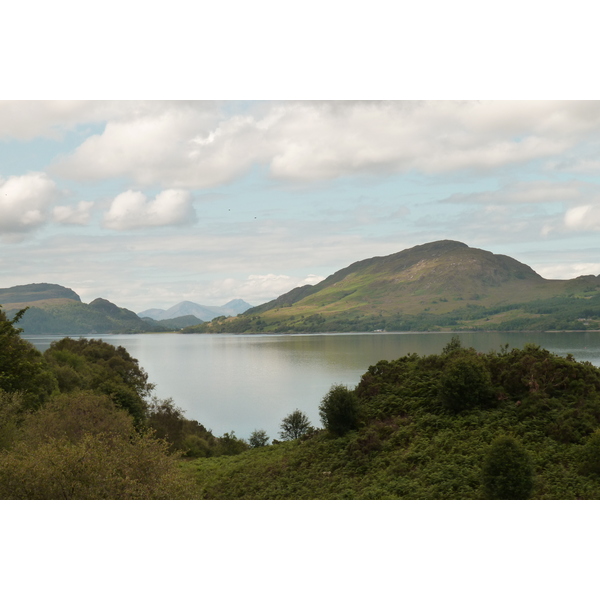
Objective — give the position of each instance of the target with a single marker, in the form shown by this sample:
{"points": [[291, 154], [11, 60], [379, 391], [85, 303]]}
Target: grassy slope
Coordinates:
{"points": [[410, 447]]}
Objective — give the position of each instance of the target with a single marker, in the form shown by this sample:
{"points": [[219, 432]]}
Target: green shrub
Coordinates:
{"points": [[464, 384], [80, 446], [507, 472], [590, 455]]}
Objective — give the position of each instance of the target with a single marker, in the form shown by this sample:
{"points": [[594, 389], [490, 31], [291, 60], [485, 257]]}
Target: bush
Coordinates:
{"points": [[229, 444], [97, 467], [81, 446], [464, 384], [590, 455], [507, 473], [71, 416], [339, 410]]}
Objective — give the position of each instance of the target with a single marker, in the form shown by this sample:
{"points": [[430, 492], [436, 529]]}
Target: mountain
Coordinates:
{"points": [[174, 324], [442, 285], [237, 306], [204, 313], [54, 309]]}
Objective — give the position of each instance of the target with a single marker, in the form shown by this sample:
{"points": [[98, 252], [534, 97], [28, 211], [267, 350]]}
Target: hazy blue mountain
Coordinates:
{"points": [[238, 306], [200, 311], [152, 313], [174, 324]]}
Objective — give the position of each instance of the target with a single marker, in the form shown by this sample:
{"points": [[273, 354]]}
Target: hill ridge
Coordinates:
{"points": [[441, 285]]}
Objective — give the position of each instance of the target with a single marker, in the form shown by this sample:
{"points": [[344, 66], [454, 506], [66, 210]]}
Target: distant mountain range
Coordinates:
{"points": [[440, 286], [204, 313], [54, 309]]}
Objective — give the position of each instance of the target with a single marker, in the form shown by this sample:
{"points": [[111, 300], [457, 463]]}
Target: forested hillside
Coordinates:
{"points": [[56, 310]]}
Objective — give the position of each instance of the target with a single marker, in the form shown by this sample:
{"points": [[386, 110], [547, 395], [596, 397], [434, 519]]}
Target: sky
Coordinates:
{"points": [[149, 203]]}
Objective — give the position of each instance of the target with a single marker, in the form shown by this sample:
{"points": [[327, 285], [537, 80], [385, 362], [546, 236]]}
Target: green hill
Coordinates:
{"points": [[54, 309], [443, 285], [34, 292], [459, 425]]}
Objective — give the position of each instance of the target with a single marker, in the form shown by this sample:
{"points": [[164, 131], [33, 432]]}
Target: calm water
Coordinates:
{"points": [[245, 382]]}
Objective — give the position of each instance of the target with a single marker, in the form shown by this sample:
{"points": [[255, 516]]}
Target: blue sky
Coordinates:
{"points": [[148, 203]]}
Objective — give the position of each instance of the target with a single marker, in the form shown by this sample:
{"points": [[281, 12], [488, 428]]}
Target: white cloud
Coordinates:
{"points": [[163, 144], [583, 218], [73, 215], [24, 202], [196, 145], [28, 119], [133, 210], [569, 270], [329, 139]]}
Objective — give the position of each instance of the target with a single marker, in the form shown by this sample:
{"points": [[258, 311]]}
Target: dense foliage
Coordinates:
{"points": [[22, 368], [528, 427], [81, 446], [507, 473], [88, 364]]}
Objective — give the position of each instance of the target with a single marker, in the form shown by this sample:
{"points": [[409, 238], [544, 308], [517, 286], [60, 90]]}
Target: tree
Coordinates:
{"points": [[258, 438], [507, 472], [22, 367], [452, 345], [339, 410], [167, 421], [229, 444], [88, 364], [295, 425]]}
